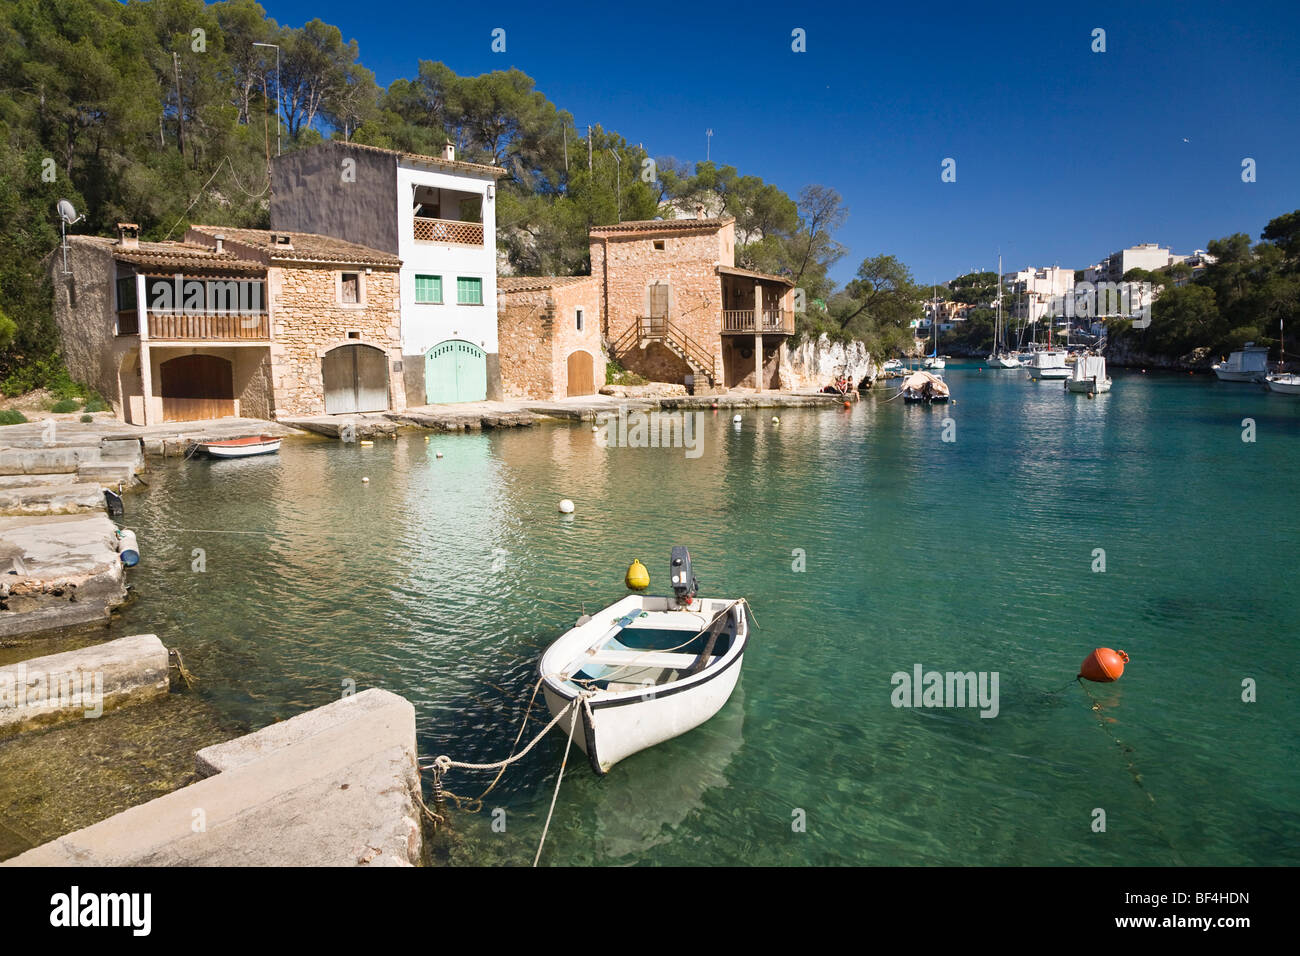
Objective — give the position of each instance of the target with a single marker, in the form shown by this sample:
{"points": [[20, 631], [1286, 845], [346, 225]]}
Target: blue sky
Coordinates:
{"points": [[1062, 155]]}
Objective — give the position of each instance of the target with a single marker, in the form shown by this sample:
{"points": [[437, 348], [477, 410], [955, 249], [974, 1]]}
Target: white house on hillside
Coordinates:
{"points": [[438, 215]]}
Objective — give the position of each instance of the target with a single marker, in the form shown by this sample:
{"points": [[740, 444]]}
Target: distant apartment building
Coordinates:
{"points": [[230, 322], [1149, 255], [1029, 293], [437, 215]]}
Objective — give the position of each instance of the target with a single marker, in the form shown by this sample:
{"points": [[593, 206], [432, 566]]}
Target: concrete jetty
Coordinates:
{"points": [[336, 786], [474, 416], [57, 571], [81, 684]]}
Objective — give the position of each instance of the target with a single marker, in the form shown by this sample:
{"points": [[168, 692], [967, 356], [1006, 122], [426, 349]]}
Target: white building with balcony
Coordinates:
{"points": [[438, 215]]}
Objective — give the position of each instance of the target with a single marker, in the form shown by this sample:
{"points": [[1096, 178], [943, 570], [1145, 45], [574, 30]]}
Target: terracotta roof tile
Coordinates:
{"points": [[536, 283], [751, 274], [663, 225], [307, 247], [175, 255]]}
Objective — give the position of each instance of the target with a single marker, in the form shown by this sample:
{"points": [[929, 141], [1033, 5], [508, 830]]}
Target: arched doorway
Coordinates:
{"points": [[356, 379], [455, 371], [582, 373], [196, 387]]}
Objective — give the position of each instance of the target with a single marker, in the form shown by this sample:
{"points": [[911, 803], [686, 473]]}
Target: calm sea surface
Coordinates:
{"points": [[443, 579]]}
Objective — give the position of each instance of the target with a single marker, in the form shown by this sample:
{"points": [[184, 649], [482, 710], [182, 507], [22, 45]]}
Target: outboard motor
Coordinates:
{"points": [[682, 575]]}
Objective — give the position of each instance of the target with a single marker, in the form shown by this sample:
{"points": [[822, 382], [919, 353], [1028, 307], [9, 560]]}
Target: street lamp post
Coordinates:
{"points": [[277, 92]]}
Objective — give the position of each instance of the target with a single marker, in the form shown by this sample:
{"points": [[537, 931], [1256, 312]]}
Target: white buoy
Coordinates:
{"points": [[438, 455], [776, 420], [365, 481], [566, 506], [736, 419], [595, 428]]}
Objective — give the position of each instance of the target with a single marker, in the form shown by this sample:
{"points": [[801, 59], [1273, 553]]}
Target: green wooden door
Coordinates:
{"points": [[455, 371]]}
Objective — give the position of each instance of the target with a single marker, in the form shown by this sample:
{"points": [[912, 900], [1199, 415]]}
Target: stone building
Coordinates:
{"points": [[549, 329], [437, 214], [230, 322], [677, 309]]}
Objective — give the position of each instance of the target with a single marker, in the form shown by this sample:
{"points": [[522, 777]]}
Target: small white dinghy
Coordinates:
{"points": [[655, 667], [241, 447]]}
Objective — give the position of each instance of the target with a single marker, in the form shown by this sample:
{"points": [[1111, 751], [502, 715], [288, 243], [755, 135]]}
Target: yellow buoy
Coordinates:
{"points": [[638, 578]]}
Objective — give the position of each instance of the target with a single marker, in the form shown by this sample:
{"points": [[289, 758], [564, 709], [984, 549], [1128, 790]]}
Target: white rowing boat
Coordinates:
{"points": [[242, 447], [653, 667]]}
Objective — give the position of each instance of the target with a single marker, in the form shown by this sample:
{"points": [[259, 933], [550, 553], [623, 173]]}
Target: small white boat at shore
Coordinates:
{"points": [[1088, 375], [241, 447], [1284, 383], [654, 667], [1249, 364], [924, 387], [1049, 364]]}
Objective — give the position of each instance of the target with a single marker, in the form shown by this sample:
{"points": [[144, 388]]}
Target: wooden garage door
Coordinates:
{"points": [[455, 371], [582, 379], [195, 388], [356, 379]]}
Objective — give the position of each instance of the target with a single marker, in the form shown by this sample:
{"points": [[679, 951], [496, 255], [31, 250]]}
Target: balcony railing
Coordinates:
{"points": [[223, 327], [448, 230], [739, 321]]}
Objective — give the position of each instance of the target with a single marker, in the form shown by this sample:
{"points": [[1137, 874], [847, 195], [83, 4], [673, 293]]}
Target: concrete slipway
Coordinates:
{"points": [[336, 786]]}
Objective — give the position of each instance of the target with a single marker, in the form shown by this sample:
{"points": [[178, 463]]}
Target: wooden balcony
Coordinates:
{"points": [[223, 327], [773, 322], [448, 230]]}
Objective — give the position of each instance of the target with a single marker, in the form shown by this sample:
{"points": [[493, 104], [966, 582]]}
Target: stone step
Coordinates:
{"points": [[36, 481], [107, 473], [44, 499]]}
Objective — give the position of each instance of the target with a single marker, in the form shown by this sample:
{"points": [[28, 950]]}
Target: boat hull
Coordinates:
{"points": [[1291, 387], [624, 718], [242, 451], [617, 729], [1227, 375], [1084, 386], [1050, 374]]}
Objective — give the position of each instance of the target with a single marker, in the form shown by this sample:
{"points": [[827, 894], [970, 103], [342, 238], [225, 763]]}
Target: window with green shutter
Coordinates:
{"points": [[428, 290], [469, 291]]}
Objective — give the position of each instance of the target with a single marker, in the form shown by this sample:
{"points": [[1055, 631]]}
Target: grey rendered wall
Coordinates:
{"points": [[84, 311], [309, 193]]}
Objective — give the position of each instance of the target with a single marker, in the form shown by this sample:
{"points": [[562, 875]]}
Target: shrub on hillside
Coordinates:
{"points": [[11, 416]]}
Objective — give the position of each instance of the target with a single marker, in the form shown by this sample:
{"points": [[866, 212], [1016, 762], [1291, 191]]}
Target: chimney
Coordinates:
{"points": [[449, 151], [128, 235], [281, 241], [699, 211], [221, 243]]}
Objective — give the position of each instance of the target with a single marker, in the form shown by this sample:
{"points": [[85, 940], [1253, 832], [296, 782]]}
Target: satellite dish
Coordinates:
{"points": [[67, 212]]}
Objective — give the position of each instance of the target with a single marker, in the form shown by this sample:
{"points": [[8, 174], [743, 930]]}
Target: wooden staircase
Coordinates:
{"points": [[646, 329]]}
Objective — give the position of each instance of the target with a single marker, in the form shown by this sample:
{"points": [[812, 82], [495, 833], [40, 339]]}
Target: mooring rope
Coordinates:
{"points": [[559, 778], [1097, 707], [186, 676]]}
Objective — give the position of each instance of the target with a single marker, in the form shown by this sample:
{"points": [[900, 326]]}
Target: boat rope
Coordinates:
{"points": [[186, 676], [1097, 709], [559, 777], [441, 764]]}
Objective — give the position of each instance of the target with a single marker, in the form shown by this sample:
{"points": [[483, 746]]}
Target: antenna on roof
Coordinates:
{"points": [[68, 214]]}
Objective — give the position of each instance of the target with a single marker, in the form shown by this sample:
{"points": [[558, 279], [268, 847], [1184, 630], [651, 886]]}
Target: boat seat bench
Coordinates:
{"points": [[639, 658]]}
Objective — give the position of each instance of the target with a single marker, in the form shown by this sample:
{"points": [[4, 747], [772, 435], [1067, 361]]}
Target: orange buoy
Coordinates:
{"points": [[1103, 665]]}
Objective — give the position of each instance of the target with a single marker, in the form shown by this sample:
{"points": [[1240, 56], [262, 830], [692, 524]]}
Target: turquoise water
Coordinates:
{"points": [[443, 580]]}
